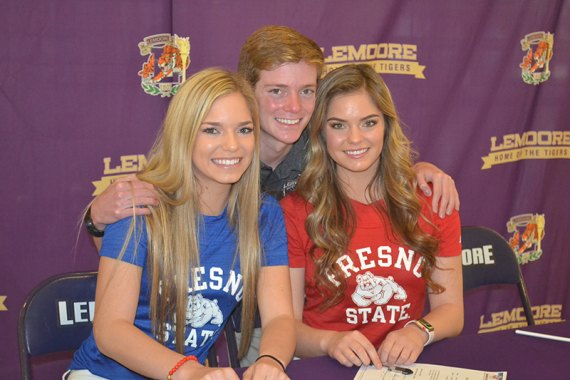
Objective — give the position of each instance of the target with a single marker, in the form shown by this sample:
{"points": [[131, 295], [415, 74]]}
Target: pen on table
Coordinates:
{"points": [[402, 370], [543, 336]]}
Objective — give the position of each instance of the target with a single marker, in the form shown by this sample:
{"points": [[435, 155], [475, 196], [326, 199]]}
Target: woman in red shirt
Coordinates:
{"points": [[364, 246]]}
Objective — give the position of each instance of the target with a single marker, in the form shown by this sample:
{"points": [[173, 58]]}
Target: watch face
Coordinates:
{"points": [[426, 324]]}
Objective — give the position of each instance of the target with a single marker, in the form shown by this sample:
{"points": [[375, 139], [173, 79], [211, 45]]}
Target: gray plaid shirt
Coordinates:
{"points": [[284, 178]]}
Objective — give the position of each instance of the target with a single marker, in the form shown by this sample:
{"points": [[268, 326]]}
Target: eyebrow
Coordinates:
{"points": [[364, 118], [218, 124], [314, 85]]}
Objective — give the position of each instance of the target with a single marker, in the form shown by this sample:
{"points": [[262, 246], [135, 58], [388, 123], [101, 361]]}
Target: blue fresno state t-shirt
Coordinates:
{"points": [[218, 288]]}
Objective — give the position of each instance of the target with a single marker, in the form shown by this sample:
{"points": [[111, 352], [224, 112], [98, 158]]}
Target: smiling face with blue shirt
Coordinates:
{"points": [[224, 145]]}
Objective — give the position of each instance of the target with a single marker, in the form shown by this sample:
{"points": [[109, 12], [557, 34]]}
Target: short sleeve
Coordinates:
{"points": [[115, 236], [449, 235], [295, 212], [272, 233]]}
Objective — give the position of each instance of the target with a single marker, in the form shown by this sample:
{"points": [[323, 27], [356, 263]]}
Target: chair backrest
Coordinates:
{"points": [[56, 317], [235, 321], [488, 259], [224, 352]]}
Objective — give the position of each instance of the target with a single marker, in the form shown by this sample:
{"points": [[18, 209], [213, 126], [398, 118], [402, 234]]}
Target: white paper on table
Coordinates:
{"points": [[428, 372]]}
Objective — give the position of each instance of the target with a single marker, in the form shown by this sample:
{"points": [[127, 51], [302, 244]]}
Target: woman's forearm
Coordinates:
{"points": [[128, 345], [278, 339], [311, 341], [447, 321]]}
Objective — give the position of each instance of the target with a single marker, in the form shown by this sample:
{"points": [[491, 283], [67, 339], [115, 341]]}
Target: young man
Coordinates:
{"points": [[283, 66]]}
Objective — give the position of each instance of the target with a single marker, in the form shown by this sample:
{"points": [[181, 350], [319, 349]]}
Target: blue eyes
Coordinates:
{"points": [[246, 130], [366, 124], [211, 131], [216, 131], [370, 123], [280, 91]]}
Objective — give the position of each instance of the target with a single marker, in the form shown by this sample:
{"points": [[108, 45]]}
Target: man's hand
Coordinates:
{"points": [[117, 201], [445, 196]]}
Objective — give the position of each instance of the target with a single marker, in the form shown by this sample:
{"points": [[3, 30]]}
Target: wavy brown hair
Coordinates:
{"points": [[332, 222], [174, 224]]}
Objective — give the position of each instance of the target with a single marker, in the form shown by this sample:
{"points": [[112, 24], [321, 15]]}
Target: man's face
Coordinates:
{"points": [[286, 99]]}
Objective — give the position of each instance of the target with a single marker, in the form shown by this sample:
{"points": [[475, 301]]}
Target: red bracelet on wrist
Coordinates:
{"points": [[179, 364]]}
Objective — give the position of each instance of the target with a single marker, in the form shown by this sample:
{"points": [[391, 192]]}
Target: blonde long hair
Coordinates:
{"points": [[174, 224], [331, 223]]}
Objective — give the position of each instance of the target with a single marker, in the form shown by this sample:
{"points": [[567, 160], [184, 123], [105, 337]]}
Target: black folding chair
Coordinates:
{"points": [[488, 259], [56, 317]]}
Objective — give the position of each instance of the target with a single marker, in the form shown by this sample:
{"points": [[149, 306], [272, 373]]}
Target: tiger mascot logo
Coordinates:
{"points": [[535, 64], [527, 232], [163, 76]]}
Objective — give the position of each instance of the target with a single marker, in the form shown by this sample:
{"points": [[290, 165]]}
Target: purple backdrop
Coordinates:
{"points": [[73, 115]]}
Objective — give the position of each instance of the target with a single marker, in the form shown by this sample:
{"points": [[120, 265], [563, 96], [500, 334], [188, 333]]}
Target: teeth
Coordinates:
{"points": [[288, 121], [355, 152], [226, 162]]}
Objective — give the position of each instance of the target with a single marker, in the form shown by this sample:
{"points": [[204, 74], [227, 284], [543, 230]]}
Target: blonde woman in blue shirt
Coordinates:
{"points": [[169, 281]]}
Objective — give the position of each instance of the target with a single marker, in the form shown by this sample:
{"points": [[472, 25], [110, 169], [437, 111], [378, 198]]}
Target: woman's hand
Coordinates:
{"points": [[265, 368], [193, 370], [402, 346], [352, 348]]}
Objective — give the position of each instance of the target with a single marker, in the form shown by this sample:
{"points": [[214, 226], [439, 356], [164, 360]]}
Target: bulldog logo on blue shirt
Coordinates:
{"points": [[201, 311]]}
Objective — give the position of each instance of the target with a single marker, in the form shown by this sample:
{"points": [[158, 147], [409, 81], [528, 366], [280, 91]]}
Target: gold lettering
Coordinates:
{"points": [[357, 55], [544, 138], [142, 161], [495, 147], [509, 141], [371, 51], [339, 53], [409, 52], [483, 324], [2, 306], [556, 311], [557, 138], [395, 51], [544, 310], [497, 318], [510, 317], [530, 138], [108, 170], [382, 51], [520, 314], [128, 163]]}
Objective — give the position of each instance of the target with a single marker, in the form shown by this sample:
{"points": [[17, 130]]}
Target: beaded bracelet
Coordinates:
{"points": [[271, 357], [179, 364]]}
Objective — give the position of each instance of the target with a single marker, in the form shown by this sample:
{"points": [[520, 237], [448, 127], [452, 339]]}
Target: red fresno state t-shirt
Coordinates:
{"points": [[385, 289]]}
